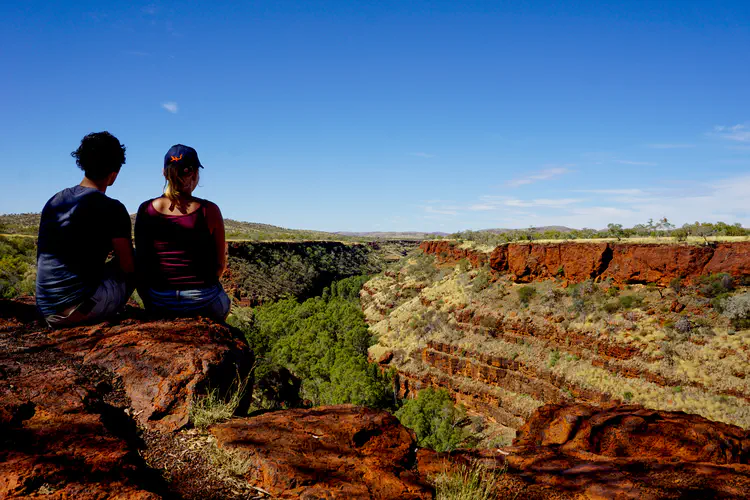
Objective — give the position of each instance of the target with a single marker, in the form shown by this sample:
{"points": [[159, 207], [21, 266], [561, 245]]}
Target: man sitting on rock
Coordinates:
{"points": [[79, 228]]}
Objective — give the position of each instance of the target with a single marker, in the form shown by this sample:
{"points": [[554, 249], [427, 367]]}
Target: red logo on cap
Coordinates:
{"points": [[176, 158]]}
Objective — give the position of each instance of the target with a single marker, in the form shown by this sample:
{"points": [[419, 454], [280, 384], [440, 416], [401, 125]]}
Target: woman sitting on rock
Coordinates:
{"points": [[180, 245]]}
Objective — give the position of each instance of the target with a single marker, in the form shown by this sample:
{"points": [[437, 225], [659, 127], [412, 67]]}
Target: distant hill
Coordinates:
{"points": [[394, 235], [28, 224], [237, 230], [540, 229]]}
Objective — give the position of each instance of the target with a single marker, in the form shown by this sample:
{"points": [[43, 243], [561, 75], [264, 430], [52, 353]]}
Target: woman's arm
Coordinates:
{"points": [[216, 226]]}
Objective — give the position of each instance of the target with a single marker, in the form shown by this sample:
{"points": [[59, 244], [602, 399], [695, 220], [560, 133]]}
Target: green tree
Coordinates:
{"points": [[435, 420], [322, 341], [615, 231]]}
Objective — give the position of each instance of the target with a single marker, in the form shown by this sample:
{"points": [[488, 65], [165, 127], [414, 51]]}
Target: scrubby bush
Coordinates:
{"points": [[526, 293], [554, 357], [737, 309], [435, 420], [683, 325], [322, 342], [715, 285], [611, 306], [676, 285], [463, 265], [630, 301], [481, 280], [17, 267], [579, 305]]}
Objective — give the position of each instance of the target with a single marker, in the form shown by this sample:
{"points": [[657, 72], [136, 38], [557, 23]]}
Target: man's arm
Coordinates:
{"points": [[123, 248], [122, 244]]}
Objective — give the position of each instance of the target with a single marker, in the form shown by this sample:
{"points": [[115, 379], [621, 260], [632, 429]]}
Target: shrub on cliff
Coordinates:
{"points": [[435, 420], [715, 285], [737, 309], [268, 272], [17, 267], [323, 342], [526, 293]]}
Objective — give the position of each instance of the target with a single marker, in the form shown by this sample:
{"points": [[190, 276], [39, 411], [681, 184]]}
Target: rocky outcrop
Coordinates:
{"points": [[732, 258], [449, 252], [162, 364], [100, 412], [622, 262], [328, 452], [616, 452], [632, 452], [572, 261], [63, 430]]}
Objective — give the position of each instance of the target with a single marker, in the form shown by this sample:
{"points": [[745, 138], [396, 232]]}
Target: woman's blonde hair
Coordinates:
{"points": [[175, 183]]}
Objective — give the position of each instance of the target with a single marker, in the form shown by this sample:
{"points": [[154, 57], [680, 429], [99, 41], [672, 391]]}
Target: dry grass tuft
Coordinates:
{"points": [[213, 408], [473, 482]]}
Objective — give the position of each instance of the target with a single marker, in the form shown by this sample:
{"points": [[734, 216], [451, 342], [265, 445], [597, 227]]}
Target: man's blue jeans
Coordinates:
{"points": [[211, 302], [107, 300]]}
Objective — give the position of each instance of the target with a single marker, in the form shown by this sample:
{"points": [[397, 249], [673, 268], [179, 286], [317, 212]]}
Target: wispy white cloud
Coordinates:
{"points": [[721, 200], [624, 192], [671, 146], [542, 202], [542, 175], [423, 155], [172, 107], [151, 9], [739, 132], [629, 162]]}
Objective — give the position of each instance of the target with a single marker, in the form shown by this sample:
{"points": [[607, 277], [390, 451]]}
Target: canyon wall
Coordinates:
{"points": [[522, 325], [624, 263], [261, 272]]}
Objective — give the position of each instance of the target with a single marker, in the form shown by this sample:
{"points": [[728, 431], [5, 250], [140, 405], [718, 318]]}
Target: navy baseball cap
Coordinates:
{"points": [[183, 156]]}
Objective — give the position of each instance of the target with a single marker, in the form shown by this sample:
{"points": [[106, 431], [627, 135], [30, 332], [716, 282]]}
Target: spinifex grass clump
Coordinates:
{"points": [[213, 408], [473, 482]]}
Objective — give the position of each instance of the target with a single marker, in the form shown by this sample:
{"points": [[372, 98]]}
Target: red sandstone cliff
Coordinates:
{"points": [[622, 262]]}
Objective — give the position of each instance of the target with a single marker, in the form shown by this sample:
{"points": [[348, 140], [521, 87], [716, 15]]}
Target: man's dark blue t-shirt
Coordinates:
{"points": [[75, 237]]}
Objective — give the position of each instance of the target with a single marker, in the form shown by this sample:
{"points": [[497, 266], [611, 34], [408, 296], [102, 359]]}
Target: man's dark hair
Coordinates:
{"points": [[99, 155]]}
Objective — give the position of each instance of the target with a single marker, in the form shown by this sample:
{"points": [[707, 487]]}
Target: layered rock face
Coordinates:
{"points": [[622, 262], [530, 324]]}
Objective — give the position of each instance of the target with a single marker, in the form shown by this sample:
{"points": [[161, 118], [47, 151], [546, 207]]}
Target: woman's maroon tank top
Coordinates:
{"points": [[175, 252]]}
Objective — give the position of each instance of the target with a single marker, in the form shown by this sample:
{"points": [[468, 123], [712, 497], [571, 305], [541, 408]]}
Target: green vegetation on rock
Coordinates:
{"points": [[436, 420], [264, 272], [319, 346], [17, 266]]}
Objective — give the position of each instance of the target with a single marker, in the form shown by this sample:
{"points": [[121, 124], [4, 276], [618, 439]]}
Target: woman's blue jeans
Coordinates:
{"points": [[211, 302]]}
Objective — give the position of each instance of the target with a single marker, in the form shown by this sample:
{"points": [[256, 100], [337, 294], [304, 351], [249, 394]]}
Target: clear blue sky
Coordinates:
{"points": [[399, 115]]}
